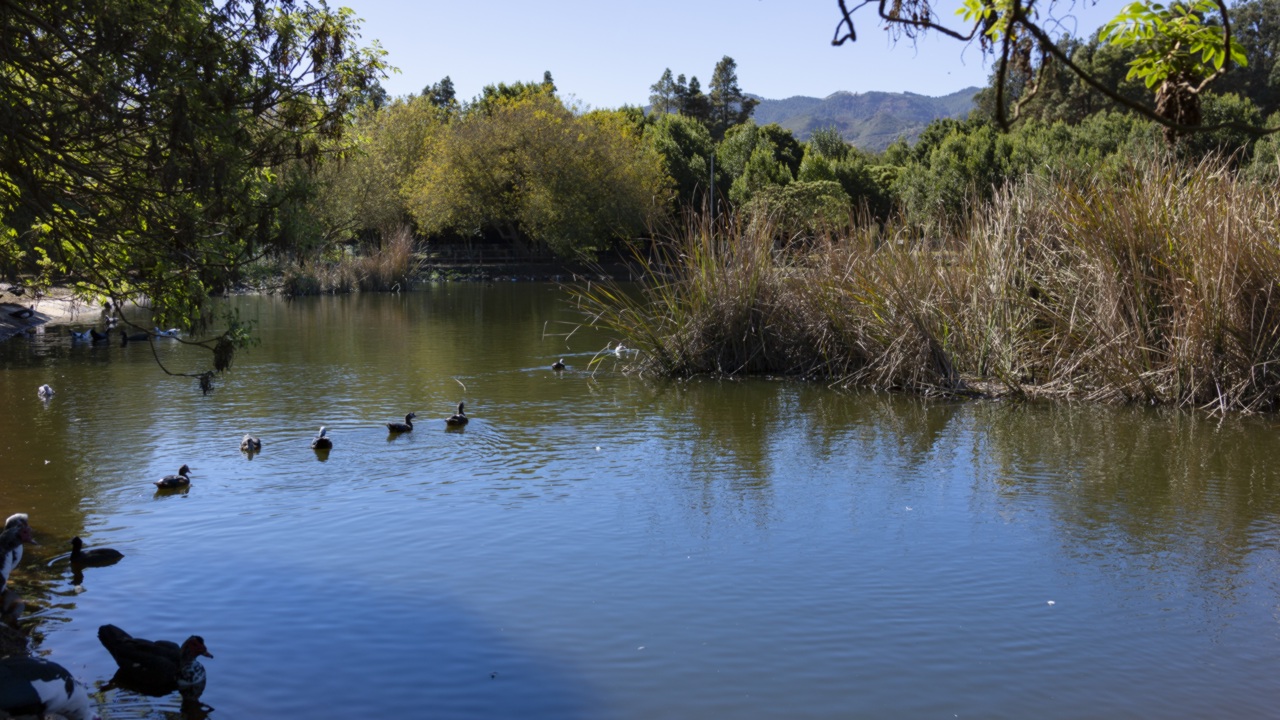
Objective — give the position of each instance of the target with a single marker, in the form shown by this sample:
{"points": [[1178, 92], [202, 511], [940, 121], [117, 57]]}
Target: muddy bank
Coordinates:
{"points": [[56, 306]]}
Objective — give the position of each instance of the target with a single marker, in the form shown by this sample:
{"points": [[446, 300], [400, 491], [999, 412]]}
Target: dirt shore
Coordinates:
{"points": [[55, 307]]}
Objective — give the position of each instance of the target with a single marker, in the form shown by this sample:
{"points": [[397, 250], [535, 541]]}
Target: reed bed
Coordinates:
{"points": [[390, 267], [1159, 288]]}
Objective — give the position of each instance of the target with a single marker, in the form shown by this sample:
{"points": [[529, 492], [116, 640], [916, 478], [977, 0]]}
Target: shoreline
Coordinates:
{"points": [[56, 307]]}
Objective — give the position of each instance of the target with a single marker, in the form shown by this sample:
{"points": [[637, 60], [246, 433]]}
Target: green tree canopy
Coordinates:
{"points": [[529, 169], [729, 104], [146, 143]]}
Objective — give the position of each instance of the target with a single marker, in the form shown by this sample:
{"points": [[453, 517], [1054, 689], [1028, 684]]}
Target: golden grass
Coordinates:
{"points": [[1161, 288]]}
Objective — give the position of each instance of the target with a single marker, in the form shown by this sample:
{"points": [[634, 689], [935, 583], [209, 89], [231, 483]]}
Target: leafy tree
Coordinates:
{"points": [[148, 146], [828, 143], [1179, 47], [1178, 54], [530, 170], [664, 95], [1256, 26], [442, 94], [362, 196], [729, 105], [686, 146], [774, 142], [802, 209], [692, 102]]}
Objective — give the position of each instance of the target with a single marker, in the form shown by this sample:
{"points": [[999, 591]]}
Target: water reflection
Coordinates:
{"points": [[600, 545]]}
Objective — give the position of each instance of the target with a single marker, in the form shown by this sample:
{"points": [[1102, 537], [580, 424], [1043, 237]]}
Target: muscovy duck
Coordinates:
{"points": [[250, 444], [558, 365], [17, 531], [35, 686], [156, 667], [44, 392]]}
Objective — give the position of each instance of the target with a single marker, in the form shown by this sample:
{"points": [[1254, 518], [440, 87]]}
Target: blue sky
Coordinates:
{"points": [[607, 54]]}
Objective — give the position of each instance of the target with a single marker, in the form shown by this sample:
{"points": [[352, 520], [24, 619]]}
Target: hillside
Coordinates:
{"points": [[869, 120]]}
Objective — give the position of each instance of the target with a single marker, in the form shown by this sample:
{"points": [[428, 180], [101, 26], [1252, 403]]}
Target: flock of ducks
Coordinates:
{"points": [[37, 686]]}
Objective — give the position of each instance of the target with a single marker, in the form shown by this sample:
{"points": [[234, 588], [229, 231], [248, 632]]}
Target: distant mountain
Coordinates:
{"points": [[869, 120]]}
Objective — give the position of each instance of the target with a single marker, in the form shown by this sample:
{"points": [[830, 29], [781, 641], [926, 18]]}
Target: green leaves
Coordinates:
{"points": [[1173, 41]]}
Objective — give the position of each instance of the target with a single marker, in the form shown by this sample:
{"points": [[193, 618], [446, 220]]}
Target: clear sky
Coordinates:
{"points": [[606, 54]]}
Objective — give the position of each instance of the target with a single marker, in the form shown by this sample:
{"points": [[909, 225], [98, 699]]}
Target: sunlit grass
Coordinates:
{"points": [[1159, 288]]}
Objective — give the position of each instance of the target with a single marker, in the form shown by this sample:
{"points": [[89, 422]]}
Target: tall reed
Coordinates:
{"points": [[1160, 287]]}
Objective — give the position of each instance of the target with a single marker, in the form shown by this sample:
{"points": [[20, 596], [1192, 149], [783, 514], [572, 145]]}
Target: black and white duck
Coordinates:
{"points": [[250, 444], [44, 392], [35, 686], [558, 365], [97, 557], [98, 337], [23, 313], [322, 440], [402, 427], [182, 479], [156, 667], [16, 533], [457, 419]]}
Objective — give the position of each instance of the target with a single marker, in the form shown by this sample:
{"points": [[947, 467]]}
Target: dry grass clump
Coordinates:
{"points": [[1159, 288], [390, 267]]}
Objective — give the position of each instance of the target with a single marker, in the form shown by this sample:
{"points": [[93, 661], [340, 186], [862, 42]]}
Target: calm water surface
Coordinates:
{"points": [[600, 546]]}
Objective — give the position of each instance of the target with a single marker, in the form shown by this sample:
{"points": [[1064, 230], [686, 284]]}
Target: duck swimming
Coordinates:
{"points": [[157, 667], [23, 313], [96, 557], [457, 419], [98, 337], [401, 427], [44, 392], [82, 336], [558, 365], [126, 338], [175, 481], [35, 686], [322, 440], [250, 444]]}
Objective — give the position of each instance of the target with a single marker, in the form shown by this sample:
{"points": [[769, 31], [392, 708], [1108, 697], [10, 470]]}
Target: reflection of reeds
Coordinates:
{"points": [[1156, 288]]}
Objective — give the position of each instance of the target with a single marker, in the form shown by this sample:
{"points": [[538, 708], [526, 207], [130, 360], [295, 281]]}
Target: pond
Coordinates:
{"points": [[595, 545]]}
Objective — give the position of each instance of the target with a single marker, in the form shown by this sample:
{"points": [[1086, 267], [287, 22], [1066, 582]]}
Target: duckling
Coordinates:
{"points": [[458, 419], [96, 557], [44, 392], [175, 481], [406, 426], [322, 440], [558, 365], [250, 444]]}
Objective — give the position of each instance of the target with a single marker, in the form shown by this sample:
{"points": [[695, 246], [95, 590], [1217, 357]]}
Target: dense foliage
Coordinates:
{"points": [[151, 149]]}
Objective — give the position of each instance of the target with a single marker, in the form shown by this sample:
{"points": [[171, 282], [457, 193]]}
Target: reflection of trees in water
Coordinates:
{"points": [[736, 437], [1164, 489]]}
